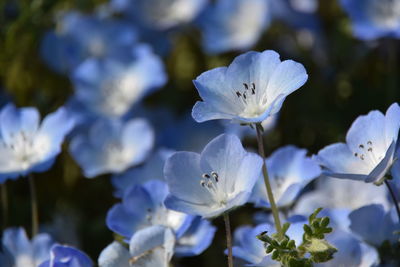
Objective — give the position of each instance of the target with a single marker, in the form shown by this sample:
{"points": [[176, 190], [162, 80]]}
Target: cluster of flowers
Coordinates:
{"points": [[166, 201]]}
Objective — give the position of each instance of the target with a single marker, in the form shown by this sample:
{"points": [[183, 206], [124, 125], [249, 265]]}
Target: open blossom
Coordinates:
{"points": [[149, 247], [27, 146], [252, 88], [18, 251], [142, 206], [374, 19], [213, 182], [369, 150], [112, 146], [290, 170], [234, 24]]}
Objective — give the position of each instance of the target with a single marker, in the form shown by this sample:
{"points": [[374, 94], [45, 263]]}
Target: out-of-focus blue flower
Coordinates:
{"points": [[369, 150], [27, 146], [18, 251], [196, 239], [213, 182], [110, 88], [250, 249], [290, 170], [80, 36], [184, 134], [252, 88], [374, 225], [373, 19], [347, 195], [142, 206], [152, 169], [234, 24], [66, 256], [149, 247], [112, 146], [160, 14]]}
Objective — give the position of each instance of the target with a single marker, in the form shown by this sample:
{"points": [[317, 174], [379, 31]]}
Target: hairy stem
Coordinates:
{"points": [[274, 208], [228, 239], [34, 205], [4, 205], [393, 195]]}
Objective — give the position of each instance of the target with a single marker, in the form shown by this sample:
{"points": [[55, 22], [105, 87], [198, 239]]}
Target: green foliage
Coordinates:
{"points": [[313, 249]]}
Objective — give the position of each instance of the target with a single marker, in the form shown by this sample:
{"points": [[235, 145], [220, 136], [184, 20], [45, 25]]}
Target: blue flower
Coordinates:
{"points": [[160, 14], [213, 182], [110, 88], [374, 19], [79, 37], [234, 24], [152, 169], [375, 225], [251, 89], [196, 239], [66, 256], [149, 247], [142, 206], [369, 150], [26, 146], [290, 171], [18, 251], [112, 146]]}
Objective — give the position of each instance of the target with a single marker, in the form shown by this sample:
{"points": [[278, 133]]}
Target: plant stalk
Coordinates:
{"points": [[34, 206], [228, 239]]}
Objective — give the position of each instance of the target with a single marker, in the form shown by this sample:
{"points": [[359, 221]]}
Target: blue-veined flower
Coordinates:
{"points": [[160, 14], [110, 88], [374, 19], [78, 37], [142, 206], [66, 256], [251, 89], [369, 150], [18, 251], [27, 146], [196, 239], [375, 225], [112, 146], [290, 170], [149, 247], [234, 24], [213, 182]]}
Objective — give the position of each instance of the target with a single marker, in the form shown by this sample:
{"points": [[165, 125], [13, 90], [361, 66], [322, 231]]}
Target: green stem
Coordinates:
{"points": [[4, 205], [228, 239], [274, 208], [393, 195], [34, 203]]}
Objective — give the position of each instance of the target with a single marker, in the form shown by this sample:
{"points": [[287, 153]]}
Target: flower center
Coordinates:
{"points": [[365, 152], [210, 181], [249, 99]]}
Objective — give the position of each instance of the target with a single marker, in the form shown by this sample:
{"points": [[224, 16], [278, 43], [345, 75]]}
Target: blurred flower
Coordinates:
{"points": [[196, 239], [234, 24], [112, 146], [65, 256], [27, 146], [290, 170], [152, 169], [142, 206], [251, 89], [110, 88], [160, 14], [213, 182], [374, 225], [149, 247], [369, 150], [79, 37], [18, 251], [373, 19]]}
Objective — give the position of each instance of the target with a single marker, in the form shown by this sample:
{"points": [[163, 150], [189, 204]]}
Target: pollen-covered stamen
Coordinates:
{"points": [[210, 182], [366, 153]]}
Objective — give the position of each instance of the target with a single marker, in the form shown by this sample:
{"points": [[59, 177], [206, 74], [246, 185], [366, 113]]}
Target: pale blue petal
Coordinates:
{"points": [[392, 123], [383, 167], [114, 255]]}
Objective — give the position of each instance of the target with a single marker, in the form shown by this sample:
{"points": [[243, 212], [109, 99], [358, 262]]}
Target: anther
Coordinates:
{"points": [[206, 175], [246, 86], [203, 183], [244, 95], [238, 94], [362, 157], [215, 176], [369, 143], [370, 149], [361, 146], [356, 154]]}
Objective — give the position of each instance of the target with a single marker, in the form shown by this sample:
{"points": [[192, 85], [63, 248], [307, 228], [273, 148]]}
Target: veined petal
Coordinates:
{"points": [[203, 111], [392, 123]]}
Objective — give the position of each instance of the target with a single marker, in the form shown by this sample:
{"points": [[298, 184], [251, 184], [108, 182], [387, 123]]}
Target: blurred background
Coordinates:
{"points": [[347, 77]]}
